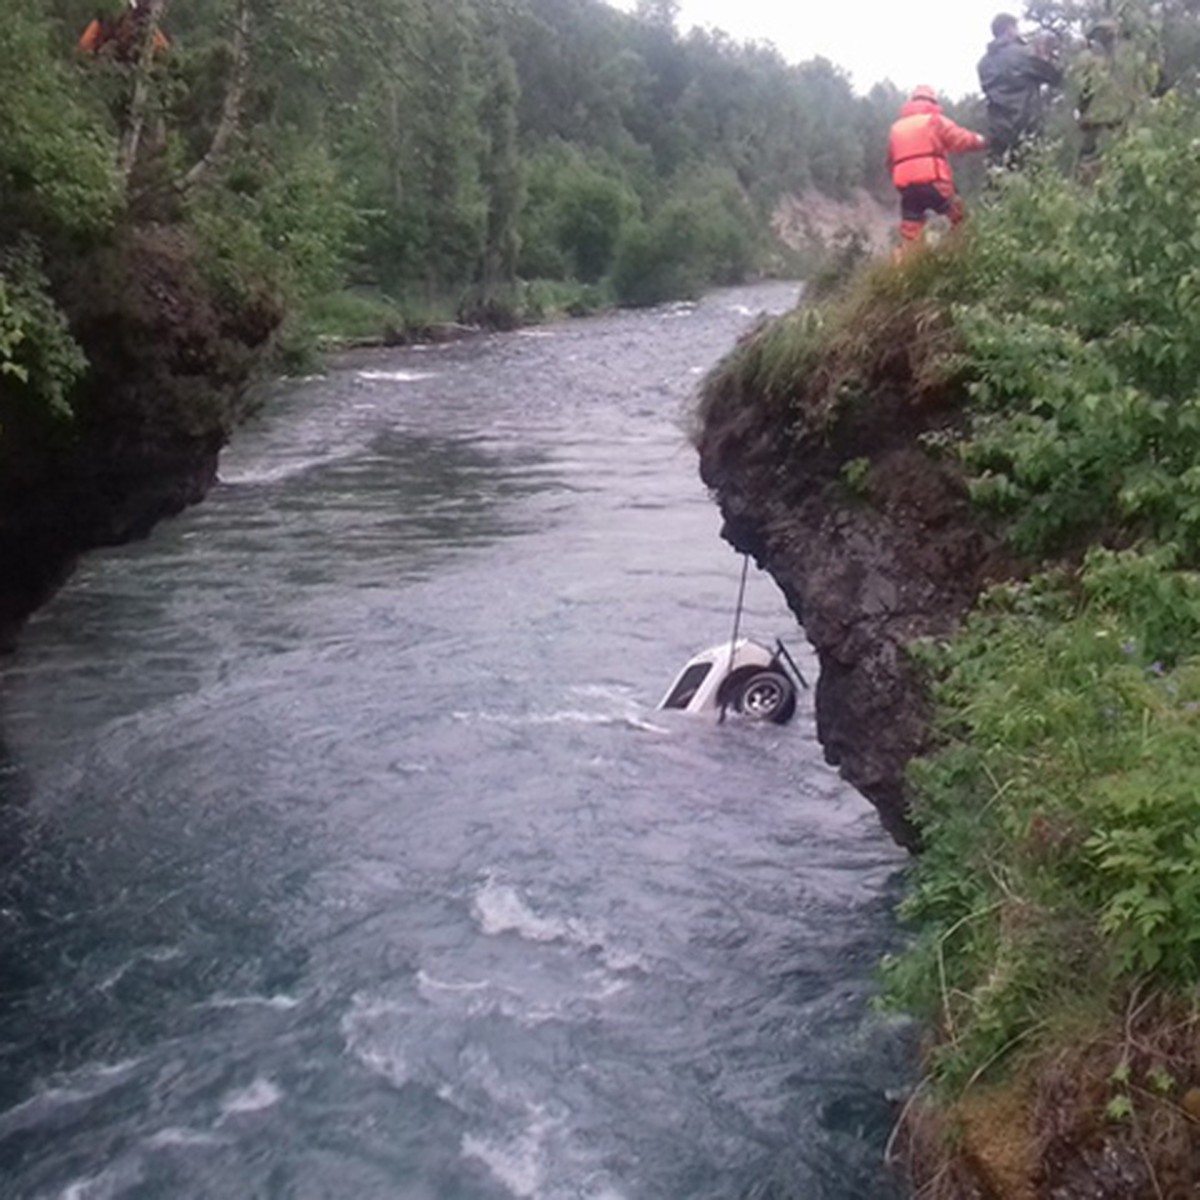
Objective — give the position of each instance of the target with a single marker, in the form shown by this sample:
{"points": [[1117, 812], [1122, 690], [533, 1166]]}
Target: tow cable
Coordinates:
{"points": [[780, 648], [737, 627]]}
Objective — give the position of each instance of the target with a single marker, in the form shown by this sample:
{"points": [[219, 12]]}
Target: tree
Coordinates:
{"points": [[662, 13], [500, 167]]}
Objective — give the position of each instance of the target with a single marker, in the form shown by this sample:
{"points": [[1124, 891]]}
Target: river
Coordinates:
{"points": [[344, 854]]}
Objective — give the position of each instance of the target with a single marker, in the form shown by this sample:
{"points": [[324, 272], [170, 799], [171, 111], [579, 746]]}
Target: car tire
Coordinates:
{"points": [[766, 696]]}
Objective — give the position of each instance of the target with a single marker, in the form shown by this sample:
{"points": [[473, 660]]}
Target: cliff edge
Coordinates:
{"points": [[872, 540]]}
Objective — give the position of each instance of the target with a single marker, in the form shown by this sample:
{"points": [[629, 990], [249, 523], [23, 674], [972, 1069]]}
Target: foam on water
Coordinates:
{"points": [[516, 1165], [178, 1137], [395, 376], [116, 1180], [80, 1087], [258, 474], [499, 908], [278, 1003], [257, 1096]]}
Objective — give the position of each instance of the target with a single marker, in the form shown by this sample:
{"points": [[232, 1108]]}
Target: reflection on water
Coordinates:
{"points": [[345, 855]]}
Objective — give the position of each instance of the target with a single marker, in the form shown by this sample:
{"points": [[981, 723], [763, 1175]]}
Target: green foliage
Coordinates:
{"points": [[1062, 851], [705, 236], [39, 360], [588, 212], [278, 229], [546, 299], [1080, 318], [856, 475], [57, 157], [352, 315]]}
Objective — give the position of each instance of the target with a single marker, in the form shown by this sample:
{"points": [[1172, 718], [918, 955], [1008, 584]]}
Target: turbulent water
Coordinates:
{"points": [[343, 852]]}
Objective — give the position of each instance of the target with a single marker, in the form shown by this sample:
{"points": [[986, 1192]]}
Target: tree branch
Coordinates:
{"points": [[231, 109], [132, 138]]}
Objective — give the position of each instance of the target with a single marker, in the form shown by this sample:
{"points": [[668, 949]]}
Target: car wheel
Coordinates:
{"points": [[766, 696]]}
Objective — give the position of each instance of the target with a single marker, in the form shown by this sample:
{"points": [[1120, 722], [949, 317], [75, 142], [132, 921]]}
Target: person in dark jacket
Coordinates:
{"points": [[1013, 75]]}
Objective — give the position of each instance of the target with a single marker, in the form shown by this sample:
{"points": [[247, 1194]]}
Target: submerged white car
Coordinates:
{"points": [[744, 677]]}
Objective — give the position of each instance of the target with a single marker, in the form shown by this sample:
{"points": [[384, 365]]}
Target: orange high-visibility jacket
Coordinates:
{"points": [[921, 142], [120, 35]]}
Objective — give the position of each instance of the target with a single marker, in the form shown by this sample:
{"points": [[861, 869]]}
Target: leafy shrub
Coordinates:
{"points": [[283, 228], [573, 217], [39, 359], [592, 208], [57, 156], [705, 235], [543, 299], [658, 262], [1080, 318], [353, 314], [1063, 855]]}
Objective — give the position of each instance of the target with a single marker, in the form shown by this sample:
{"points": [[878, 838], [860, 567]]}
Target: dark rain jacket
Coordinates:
{"points": [[1012, 77]]}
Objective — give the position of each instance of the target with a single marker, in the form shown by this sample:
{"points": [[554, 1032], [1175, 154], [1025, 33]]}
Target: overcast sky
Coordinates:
{"points": [[922, 41]]}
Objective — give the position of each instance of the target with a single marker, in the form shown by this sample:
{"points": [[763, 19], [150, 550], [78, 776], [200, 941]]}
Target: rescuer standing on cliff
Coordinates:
{"points": [[919, 147], [1014, 75], [120, 37]]}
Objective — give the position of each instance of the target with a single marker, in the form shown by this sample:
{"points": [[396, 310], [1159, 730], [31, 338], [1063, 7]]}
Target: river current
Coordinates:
{"points": [[343, 852]]}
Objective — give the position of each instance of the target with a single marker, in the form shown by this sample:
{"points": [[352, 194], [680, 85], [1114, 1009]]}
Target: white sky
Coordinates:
{"points": [[908, 41]]}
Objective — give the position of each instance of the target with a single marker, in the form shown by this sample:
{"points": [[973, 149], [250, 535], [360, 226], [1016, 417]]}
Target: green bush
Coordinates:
{"points": [[57, 156], [658, 262], [353, 314], [39, 360], [1062, 856], [573, 217], [1079, 311], [284, 227], [705, 234]]}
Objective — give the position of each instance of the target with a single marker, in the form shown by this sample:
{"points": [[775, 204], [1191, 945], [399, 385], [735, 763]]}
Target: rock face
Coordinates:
{"points": [[96, 496], [170, 362], [873, 543]]}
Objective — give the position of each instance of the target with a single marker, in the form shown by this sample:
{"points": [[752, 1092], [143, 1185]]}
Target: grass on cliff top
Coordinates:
{"points": [[792, 376]]}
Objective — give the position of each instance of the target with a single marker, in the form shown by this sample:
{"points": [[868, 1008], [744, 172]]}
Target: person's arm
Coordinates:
{"points": [[89, 43], [1041, 69], [955, 139]]}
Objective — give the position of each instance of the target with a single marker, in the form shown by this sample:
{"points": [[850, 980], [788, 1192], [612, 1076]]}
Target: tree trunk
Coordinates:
{"points": [[231, 109], [132, 138]]}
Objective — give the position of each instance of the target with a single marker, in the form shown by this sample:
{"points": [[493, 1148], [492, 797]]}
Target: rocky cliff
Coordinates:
{"points": [[869, 536], [170, 360]]}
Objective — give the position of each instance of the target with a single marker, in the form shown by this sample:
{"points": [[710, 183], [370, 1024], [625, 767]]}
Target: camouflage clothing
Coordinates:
{"points": [[1110, 79]]}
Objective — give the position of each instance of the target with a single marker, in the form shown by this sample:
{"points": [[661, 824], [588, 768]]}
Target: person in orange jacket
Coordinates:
{"points": [[121, 38], [919, 149]]}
